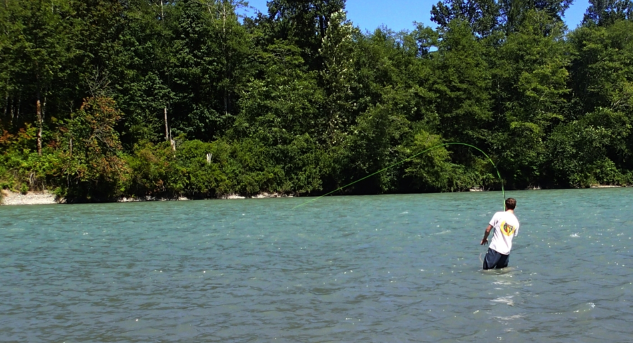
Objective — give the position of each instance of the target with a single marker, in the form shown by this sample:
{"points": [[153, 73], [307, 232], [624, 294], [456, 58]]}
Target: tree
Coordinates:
{"points": [[602, 85], [481, 15], [607, 12], [140, 82], [336, 77], [462, 84], [91, 151], [35, 39], [279, 114], [304, 23], [514, 12], [531, 77], [206, 67], [588, 151], [378, 133]]}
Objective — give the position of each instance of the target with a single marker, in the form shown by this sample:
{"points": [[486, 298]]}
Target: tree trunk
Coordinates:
{"points": [[70, 141], [226, 59], [322, 26], [224, 18], [39, 130], [167, 135]]}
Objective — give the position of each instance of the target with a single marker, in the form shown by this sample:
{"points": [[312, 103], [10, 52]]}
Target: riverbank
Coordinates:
{"points": [[30, 198], [46, 198]]}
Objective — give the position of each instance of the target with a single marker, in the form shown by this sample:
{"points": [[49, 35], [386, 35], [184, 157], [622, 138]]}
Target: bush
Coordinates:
{"points": [[581, 152], [91, 154], [21, 168]]}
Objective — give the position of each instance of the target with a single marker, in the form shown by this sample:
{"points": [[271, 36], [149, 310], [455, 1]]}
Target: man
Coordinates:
{"points": [[506, 227]]}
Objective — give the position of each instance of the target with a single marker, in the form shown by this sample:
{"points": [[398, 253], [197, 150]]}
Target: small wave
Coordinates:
{"points": [[442, 233], [504, 283], [575, 235], [507, 271], [585, 308], [516, 316], [504, 300], [405, 212]]}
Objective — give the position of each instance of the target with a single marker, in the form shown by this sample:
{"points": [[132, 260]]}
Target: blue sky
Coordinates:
{"points": [[400, 14]]}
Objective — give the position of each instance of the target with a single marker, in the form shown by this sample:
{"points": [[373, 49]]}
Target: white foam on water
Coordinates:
{"points": [[502, 283], [514, 317], [586, 308], [504, 300]]}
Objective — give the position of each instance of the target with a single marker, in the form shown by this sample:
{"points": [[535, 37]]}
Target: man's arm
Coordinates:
{"points": [[485, 239]]}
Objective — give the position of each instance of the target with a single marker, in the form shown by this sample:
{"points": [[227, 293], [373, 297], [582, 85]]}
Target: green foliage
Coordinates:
{"points": [[602, 74], [482, 15], [21, 168], [284, 102], [463, 83], [432, 170], [603, 66], [208, 170], [607, 12], [371, 148], [582, 151], [337, 77], [159, 171], [299, 101], [531, 69], [91, 152]]}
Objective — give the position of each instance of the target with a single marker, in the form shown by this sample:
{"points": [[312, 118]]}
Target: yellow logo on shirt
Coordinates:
{"points": [[506, 228]]}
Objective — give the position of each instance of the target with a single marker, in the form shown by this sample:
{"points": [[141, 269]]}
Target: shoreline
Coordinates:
{"points": [[10, 198]]}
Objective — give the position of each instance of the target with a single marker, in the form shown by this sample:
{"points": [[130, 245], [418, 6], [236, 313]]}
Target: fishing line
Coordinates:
{"points": [[399, 163], [394, 165], [408, 159]]}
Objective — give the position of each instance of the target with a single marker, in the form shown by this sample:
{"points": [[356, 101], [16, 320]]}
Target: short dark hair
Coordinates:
{"points": [[511, 203]]}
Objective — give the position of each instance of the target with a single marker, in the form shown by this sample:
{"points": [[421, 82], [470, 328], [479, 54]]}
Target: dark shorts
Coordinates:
{"points": [[495, 260]]}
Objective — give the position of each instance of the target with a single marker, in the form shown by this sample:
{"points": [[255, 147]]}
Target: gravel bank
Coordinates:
{"points": [[46, 198], [30, 198]]}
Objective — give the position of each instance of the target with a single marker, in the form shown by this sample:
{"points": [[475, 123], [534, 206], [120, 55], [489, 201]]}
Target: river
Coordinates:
{"points": [[392, 268]]}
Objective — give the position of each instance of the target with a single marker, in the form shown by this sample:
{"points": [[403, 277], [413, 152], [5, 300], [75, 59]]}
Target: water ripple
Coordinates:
{"points": [[400, 268]]}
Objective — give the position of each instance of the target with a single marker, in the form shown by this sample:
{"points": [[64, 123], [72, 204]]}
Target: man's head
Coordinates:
{"points": [[511, 204]]}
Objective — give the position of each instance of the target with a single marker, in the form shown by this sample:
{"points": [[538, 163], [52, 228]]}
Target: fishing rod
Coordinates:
{"points": [[408, 159]]}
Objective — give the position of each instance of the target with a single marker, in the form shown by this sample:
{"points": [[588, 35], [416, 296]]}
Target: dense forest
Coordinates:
{"points": [[101, 99]]}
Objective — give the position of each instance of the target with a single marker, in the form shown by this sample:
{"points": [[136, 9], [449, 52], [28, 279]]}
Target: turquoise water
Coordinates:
{"points": [[399, 268]]}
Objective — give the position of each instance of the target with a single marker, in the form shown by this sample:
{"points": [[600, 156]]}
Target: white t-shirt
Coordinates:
{"points": [[506, 226]]}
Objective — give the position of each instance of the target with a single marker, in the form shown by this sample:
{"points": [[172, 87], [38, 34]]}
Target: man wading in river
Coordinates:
{"points": [[506, 226]]}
